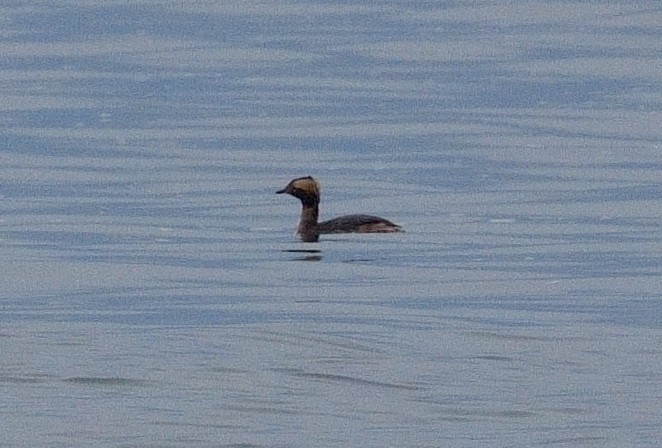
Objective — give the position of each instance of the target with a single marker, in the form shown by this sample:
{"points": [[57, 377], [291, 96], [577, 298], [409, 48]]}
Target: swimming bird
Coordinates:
{"points": [[309, 191]]}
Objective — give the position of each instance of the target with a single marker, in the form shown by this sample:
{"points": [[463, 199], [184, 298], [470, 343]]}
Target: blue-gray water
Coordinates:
{"points": [[153, 293]]}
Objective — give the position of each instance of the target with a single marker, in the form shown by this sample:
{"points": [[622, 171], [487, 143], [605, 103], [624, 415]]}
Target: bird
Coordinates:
{"points": [[308, 191]]}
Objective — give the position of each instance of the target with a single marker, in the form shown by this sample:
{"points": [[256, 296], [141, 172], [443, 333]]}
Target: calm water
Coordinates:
{"points": [[153, 292]]}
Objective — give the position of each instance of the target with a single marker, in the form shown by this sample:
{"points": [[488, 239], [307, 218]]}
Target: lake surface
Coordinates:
{"points": [[153, 292]]}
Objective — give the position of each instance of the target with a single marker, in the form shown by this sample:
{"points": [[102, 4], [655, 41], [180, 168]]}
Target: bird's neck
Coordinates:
{"points": [[308, 222]]}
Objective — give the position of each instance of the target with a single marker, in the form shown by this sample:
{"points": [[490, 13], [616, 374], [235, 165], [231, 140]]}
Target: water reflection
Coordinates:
{"points": [[312, 254]]}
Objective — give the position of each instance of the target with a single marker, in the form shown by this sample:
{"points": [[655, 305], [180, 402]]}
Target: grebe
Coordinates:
{"points": [[308, 191]]}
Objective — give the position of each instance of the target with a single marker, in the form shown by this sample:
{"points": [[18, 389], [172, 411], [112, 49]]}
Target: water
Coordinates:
{"points": [[153, 292]]}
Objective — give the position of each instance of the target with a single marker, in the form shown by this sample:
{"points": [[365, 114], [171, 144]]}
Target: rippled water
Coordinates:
{"points": [[153, 292]]}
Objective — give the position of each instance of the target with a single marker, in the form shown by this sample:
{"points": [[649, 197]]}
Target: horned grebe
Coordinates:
{"points": [[308, 191]]}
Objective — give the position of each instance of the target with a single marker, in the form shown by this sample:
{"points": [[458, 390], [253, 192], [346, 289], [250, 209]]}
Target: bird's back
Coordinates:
{"points": [[358, 224]]}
